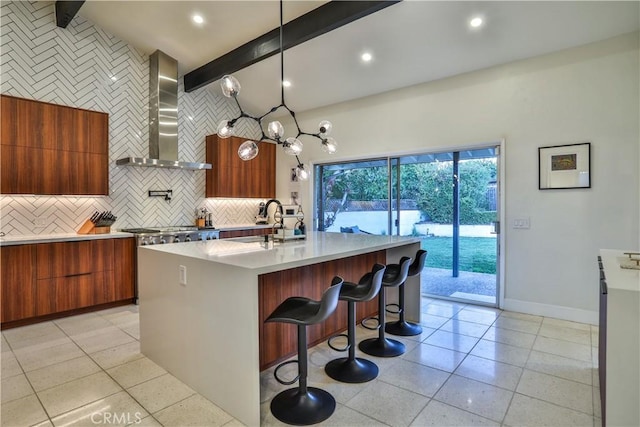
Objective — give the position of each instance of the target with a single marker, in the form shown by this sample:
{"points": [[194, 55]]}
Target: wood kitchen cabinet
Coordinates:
{"points": [[231, 176], [227, 234], [124, 269], [73, 275], [53, 149], [17, 276], [51, 278]]}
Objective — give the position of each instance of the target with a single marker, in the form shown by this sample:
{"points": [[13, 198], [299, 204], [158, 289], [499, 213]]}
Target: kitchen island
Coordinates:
{"points": [[202, 305]]}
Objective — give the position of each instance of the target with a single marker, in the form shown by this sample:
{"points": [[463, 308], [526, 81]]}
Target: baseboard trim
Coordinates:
{"points": [[555, 311]]}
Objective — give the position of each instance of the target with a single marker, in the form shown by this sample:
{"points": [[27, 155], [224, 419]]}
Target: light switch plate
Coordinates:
{"points": [[522, 223], [182, 270]]}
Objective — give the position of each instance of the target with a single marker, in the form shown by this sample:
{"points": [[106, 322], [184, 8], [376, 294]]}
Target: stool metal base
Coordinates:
{"points": [[351, 370], [382, 347], [298, 408], [402, 328]]}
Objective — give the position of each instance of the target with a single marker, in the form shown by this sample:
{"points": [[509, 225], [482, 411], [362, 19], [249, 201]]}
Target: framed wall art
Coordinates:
{"points": [[564, 166]]}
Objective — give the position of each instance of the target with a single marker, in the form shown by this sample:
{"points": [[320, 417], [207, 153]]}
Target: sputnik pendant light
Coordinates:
{"points": [[275, 131]]}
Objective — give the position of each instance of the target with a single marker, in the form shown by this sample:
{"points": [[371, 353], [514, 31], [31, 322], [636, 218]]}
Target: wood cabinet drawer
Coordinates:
{"points": [[73, 258], [67, 293]]}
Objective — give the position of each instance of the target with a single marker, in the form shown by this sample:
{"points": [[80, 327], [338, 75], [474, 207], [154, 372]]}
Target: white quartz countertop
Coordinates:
{"points": [[58, 237], [617, 277], [255, 254]]}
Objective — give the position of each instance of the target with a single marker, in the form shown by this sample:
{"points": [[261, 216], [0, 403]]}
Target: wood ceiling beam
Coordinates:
{"points": [[66, 11], [321, 20]]}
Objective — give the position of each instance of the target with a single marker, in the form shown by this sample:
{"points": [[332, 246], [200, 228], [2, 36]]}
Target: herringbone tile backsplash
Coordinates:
{"points": [[83, 66]]}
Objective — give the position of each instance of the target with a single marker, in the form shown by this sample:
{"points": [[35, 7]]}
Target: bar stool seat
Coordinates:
{"points": [[401, 327], [353, 369], [382, 346], [304, 405]]}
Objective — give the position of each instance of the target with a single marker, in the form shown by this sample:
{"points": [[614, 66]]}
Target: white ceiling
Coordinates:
{"points": [[412, 42]]}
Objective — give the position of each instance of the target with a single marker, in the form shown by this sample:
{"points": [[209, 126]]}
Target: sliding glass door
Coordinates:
{"points": [[449, 200], [454, 214]]}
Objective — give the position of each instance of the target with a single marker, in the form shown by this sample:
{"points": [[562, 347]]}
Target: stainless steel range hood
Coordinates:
{"points": [[163, 118]]}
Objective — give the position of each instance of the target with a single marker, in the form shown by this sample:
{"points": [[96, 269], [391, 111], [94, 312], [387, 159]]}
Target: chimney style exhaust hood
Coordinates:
{"points": [[163, 117]]}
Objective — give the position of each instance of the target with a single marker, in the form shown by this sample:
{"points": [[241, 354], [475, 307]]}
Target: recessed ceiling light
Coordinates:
{"points": [[475, 22], [286, 83], [366, 57], [198, 19]]}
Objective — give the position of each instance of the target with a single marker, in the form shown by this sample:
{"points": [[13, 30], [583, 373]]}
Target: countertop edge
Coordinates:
{"points": [[329, 257], [263, 268], [63, 237]]}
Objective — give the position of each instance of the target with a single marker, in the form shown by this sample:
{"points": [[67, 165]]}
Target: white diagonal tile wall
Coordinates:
{"points": [[84, 66]]}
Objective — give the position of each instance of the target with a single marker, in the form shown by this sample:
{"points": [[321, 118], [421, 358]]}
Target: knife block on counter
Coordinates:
{"points": [[89, 228]]}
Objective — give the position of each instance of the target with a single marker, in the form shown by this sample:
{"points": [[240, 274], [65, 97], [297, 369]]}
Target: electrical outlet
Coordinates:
{"points": [[40, 221], [182, 272], [522, 223]]}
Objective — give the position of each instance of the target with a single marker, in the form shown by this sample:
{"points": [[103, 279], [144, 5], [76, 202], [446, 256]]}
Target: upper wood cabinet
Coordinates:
{"points": [[234, 177], [53, 149]]}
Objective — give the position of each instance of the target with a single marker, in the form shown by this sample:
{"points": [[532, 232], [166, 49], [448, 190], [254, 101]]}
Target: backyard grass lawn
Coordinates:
{"points": [[477, 254]]}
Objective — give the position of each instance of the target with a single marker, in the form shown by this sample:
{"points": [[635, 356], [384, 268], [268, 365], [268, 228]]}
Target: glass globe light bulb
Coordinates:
{"points": [[248, 150], [302, 172], [325, 127], [224, 130], [230, 86], [329, 145], [293, 146], [275, 130]]}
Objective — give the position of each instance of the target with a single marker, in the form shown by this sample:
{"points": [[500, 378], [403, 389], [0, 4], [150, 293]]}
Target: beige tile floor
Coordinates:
{"points": [[471, 366]]}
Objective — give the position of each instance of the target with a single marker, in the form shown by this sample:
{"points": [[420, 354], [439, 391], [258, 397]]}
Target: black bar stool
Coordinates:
{"points": [[400, 326], [381, 346], [304, 405], [352, 369]]}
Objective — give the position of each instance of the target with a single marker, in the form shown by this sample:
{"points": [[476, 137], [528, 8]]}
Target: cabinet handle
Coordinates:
{"points": [[77, 274]]}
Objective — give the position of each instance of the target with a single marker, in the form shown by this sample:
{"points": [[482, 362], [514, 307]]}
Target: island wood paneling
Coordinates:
{"points": [[278, 341]]}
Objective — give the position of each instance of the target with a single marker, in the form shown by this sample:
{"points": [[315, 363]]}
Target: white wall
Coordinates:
{"points": [[585, 94]]}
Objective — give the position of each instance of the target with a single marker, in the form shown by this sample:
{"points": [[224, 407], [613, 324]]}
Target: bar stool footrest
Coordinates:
{"points": [[295, 407], [352, 370], [395, 308], [281, 381], [403, 328], [338, 336], [367, 319]]}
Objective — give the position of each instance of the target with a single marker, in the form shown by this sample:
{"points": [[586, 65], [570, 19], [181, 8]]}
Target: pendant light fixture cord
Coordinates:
{"points": [[281, 58]]}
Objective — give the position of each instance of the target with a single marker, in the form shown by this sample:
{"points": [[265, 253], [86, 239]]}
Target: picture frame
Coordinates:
{"points": [[564, 166]]}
